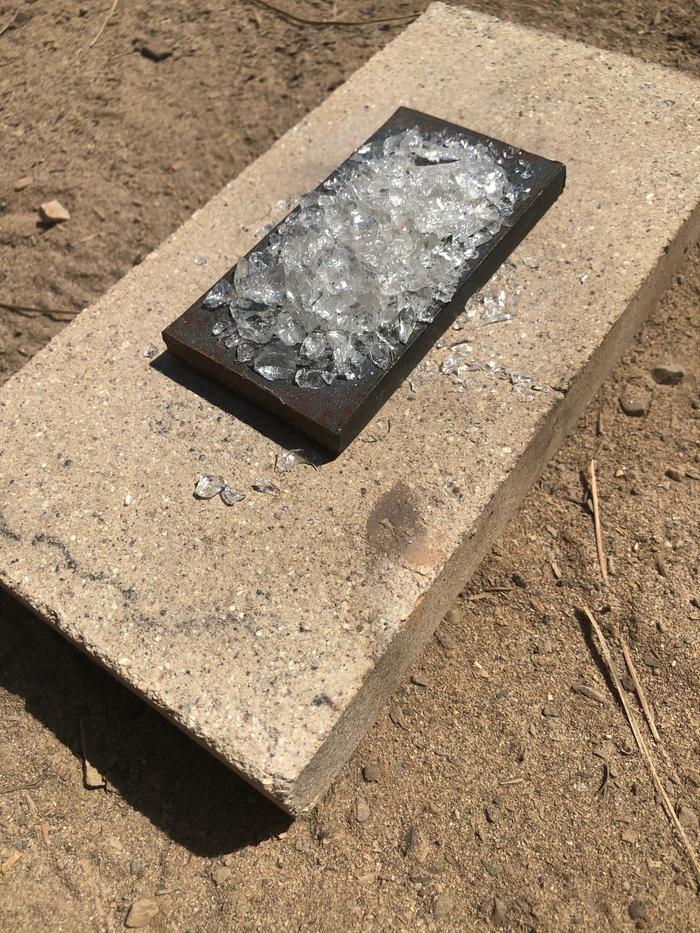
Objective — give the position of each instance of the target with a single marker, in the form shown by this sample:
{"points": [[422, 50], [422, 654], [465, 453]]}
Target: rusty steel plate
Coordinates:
{"points": [[334, 415]]}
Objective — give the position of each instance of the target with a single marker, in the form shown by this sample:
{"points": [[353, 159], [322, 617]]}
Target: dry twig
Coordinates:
{"points": [[596, 524], [306, 21], [27, 309], [12, 788], [642, 745], [8, 24], [643, 702], [637, 684], [107, 18]]}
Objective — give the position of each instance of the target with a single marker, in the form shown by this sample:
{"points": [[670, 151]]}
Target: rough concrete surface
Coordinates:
{"points": [[272, 630]]}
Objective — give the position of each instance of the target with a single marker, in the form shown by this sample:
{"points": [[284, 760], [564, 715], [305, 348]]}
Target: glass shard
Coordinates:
{"points": [[207, 487], [230, 496]]}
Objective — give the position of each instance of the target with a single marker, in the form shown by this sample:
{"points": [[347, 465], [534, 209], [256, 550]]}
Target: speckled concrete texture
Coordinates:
{"points": [[272, 630]]}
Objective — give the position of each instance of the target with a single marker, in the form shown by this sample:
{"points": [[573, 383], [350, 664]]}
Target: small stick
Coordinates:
{"points": [[596, 524], [9, 23], [104, 23], [10, 789], [10, 861], [637, 684], [22, 308], [305, 21], [642, 745], [641, 695]]}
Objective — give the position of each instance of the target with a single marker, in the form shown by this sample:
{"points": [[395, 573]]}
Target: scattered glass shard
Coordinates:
{"points": [[286, 460], [456, 363], [263, 485], [219, 295], [452, 365], [230, 496], [498, 301], [453, 488], [208, 486], [367, 258]]}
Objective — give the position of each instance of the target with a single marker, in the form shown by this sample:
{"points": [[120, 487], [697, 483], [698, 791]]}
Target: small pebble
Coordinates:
{"points": [[589, 692], [220, 874], [53, 212], [688, 818], [638, 909], [362, 811], [668, 374], [150, 351], [675, 474], [154, 49], [371, 773], [141, 913], [635, 401], [499, 911], [23, 183], [550, 711], [445, 639], [443, 906], [415, 846], [493, 813], [661, 565], [627, 683]]}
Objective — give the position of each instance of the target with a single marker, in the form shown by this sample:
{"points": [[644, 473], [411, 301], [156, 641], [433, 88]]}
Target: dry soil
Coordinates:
{"points": [[493, 791]]}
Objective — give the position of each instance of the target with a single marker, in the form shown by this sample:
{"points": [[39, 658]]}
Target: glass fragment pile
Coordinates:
{"points": [[365, 260]]}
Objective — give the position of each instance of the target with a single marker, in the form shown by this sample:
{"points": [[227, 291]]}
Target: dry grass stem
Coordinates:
{"points": [[596, 523], [642, 745]]}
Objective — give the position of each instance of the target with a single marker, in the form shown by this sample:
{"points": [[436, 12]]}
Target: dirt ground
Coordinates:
{"points": [[493, 792]]}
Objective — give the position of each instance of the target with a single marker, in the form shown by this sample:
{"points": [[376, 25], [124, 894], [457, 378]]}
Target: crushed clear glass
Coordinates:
{"points": [[208, 486], [229, 495], [345, 281], [285, 461], [264, 485], [219, 295]]}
